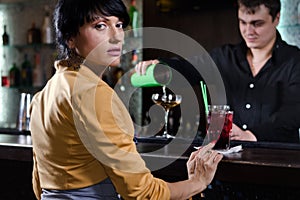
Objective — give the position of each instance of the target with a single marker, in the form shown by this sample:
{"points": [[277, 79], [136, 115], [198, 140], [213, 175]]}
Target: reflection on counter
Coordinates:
{"points": [[15, 141]]}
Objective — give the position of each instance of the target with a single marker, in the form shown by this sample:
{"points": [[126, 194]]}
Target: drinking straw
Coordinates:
{"points": [[204, 95]]}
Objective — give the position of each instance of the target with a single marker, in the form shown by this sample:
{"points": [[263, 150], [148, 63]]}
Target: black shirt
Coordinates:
{"points": [[268, 104]]}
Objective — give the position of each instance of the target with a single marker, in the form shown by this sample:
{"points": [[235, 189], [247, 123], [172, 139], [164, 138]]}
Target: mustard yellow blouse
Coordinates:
{"points": [[82, 133]]}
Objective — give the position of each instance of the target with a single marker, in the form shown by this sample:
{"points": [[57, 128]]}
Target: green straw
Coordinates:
{"points": [[204, 95]]}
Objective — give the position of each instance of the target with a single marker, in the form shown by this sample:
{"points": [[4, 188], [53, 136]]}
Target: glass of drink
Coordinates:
{"points": [[219, 122], [167, 101]]}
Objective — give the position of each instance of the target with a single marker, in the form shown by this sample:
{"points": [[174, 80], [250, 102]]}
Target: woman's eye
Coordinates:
{"points": [[100, 26], [119, 25]]}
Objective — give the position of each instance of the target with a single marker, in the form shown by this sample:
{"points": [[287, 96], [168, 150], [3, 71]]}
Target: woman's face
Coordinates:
{"points": [[100, 41]]}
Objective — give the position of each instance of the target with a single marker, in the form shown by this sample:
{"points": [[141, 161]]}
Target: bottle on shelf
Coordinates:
{"points": [[14, 76], [133, 14], [134, 58], [33, 35], [38, 76], [4, 78], [47, 37], [5, 36], [26, 72]]}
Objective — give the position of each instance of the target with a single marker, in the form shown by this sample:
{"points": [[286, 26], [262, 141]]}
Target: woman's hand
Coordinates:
{"points": [[239, 134], [141, 67], [202, 165]]}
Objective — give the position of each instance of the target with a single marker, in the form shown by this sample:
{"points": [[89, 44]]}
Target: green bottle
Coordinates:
{"points": [[5, 36], [156, 75], [133, 15], [14, 76], [26, 72]]}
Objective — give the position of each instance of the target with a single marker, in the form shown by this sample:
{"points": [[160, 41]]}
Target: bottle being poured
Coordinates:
{"points": [[156, 75]]}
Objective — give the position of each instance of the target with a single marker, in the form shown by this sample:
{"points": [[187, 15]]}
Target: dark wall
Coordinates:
{"points": [[210, 25]]}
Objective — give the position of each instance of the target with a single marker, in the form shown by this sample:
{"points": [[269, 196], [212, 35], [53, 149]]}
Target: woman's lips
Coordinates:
{"points": [[114, 52]]}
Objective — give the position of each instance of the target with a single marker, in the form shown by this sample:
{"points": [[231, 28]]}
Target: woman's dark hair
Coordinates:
{"points": [[70, 15], [273, 5]]}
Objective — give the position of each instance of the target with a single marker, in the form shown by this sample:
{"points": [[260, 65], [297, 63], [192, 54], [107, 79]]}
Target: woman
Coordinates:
{"points": [[82, 134]]}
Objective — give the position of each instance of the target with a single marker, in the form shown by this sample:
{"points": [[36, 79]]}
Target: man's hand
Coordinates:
{"points": [[239, 134], [141, 67]]}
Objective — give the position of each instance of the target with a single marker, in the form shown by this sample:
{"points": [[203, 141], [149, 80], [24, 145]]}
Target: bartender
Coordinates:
{"points": [[261, 76]]}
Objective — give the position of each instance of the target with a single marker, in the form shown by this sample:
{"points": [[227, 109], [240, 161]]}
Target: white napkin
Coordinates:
{"points": [[235, 149], [228, 151]]}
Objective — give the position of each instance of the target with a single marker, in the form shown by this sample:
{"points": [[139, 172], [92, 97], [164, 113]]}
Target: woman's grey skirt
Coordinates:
{"points": [[101, 191]]}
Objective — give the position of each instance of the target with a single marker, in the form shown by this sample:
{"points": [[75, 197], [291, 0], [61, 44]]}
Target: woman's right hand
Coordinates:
{"points": [[141, 67], [202, 165]]}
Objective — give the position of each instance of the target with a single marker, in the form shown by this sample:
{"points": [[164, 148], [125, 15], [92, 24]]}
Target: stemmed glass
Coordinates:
{"points": [[167, 101]]}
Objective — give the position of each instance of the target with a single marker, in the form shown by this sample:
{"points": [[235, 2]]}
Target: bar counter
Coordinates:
{"points": [[264, 163], [259, 171], [271, 165]]}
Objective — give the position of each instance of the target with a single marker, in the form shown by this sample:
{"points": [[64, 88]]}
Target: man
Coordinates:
{"points": [[261, 76]]}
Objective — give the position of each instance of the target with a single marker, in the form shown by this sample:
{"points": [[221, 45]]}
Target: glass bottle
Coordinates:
{"points": [[26, 72], [37, 71], [156, 75], [47, 28], [5, 36], [33, 35], [133, 14], [134, 58], [4, 78], [14, 76]]}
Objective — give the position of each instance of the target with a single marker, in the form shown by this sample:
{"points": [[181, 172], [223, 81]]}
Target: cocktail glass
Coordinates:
{"points": [[167, 101]]}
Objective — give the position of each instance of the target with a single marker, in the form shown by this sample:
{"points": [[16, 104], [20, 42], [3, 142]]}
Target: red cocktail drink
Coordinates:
{"points": [[219, 121], [224, 142]]}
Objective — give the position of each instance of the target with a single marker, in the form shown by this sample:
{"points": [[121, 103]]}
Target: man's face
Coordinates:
{"points": [[258, 29]]}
